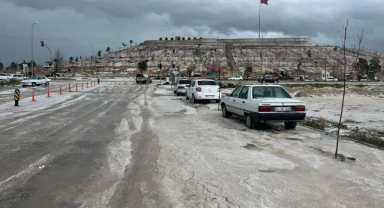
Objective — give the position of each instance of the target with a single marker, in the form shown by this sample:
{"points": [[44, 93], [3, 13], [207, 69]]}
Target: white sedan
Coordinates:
{"points": [[203, 89], [257, 103], [35, 80], [235, 78]]}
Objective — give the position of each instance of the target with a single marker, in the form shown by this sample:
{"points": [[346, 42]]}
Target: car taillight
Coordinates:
{"points": [[264, 109], [180, 87], [300, 108], [198, 89], [218, 90]]}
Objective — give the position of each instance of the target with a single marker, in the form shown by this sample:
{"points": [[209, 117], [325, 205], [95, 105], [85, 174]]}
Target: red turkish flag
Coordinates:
{"points": [[264, 2]]}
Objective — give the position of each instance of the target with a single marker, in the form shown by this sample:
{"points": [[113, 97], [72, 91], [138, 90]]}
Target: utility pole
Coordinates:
{"points": [[32, 45], [93, 52], [160, 66]]}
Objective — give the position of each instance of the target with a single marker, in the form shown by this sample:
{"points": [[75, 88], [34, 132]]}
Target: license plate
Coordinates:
{"points": [[283, 109], [209, 96]]}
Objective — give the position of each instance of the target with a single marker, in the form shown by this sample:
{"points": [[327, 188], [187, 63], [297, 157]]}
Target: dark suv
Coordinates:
{"points": [[143, 78]]}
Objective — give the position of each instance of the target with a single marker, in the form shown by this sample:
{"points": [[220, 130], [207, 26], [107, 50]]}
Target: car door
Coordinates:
{"points": [[231, 105], [242, 101]]}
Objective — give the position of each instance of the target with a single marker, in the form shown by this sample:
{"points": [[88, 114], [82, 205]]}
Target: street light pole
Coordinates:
{"points": [[32, 44], [93, 52]]}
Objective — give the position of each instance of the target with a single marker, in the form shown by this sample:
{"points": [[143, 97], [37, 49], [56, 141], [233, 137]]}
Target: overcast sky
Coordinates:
{"points": [[70, 24]]}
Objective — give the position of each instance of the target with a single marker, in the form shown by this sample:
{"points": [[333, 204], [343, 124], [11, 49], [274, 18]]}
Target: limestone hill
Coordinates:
{"points": [[293, 55]]}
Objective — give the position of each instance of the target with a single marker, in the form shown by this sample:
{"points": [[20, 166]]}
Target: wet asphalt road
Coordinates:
{"points": [[97, 151]]}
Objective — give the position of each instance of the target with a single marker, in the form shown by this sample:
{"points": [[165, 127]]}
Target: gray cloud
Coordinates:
{"points": [[108, 23]]}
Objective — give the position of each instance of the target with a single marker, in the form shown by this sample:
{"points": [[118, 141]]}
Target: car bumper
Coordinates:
{"points": [[208, 96], [278, 116], [181, 91]]}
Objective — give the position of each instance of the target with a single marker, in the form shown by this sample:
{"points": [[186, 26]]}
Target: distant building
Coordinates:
{"points": [[181, 38], [49, 64]]}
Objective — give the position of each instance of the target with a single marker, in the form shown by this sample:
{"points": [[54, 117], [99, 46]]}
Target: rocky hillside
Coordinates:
{"points": [[296, 55]]}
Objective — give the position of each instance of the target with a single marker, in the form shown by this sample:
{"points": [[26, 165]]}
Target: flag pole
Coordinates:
{"points": [[259, 17]]}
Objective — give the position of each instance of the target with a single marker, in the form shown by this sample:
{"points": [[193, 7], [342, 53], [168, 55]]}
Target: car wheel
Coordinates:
{"points": [[33, 84], [178, 94], [217, 101], [194, 100], [290, 125], [275, 81], [47, 83], [248, 122], [186, 97], [224, 111]]}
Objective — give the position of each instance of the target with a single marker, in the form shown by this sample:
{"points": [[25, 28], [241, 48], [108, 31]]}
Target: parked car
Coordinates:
{"points": [[258, 103], [35, 80], [181, 85], [331, 79], [4, 77], [203, 89], [19, 77], [236, 78], [268, 79], [143, 78]]}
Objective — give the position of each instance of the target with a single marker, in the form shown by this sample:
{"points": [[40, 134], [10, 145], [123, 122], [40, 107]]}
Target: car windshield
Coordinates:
{"points": [[269, 92], [33, 77], [184, 81], [206, 83], [139, 75]]}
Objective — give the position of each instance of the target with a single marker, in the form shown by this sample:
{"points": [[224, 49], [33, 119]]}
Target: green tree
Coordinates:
{"points": [[77, 59], [108, 50], [13, 66], [70, 59], [374, 65], [143, 65], [1, 66], [362, 65], [99, 53]]}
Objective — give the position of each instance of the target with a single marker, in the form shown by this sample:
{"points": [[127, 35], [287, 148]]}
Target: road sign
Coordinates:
{"points": [[25, 68]]}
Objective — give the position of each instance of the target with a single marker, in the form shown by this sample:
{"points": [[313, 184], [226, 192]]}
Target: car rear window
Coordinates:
{"points": [[139, 75], [269, 92], [184, 81], [206, 83]]}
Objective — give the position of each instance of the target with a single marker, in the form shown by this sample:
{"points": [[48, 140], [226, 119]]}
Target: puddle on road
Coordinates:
{"points": [[252, 147], [294, 139]]}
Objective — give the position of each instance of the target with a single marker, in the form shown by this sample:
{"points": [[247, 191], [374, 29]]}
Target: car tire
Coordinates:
{"points": [[248, 122], [177, 94], [137, 82], [194, 100], [217, 101], [33, 84], [290, 125], [186, 97], [224, 112]]}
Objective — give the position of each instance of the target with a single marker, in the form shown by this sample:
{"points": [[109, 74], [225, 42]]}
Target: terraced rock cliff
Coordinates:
{"points": [[293, 55]]}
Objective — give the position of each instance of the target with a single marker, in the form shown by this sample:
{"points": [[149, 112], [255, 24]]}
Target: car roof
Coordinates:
{"points": [[204, 80], [262, 85]]}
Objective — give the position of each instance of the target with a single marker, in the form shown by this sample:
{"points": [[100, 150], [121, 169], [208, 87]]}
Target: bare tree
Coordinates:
{"points": [[345, 77], [58, 59]]}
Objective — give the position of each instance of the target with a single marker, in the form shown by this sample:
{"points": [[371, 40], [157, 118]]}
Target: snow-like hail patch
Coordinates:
{"points": [[26, 174], [118, 159]]}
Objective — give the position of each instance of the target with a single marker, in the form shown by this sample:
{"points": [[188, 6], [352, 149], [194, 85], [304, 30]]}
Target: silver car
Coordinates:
{"points": [[180, 88]]}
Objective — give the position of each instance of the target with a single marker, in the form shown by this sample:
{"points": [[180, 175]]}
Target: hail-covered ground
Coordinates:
{"points": [[120, 144]]}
